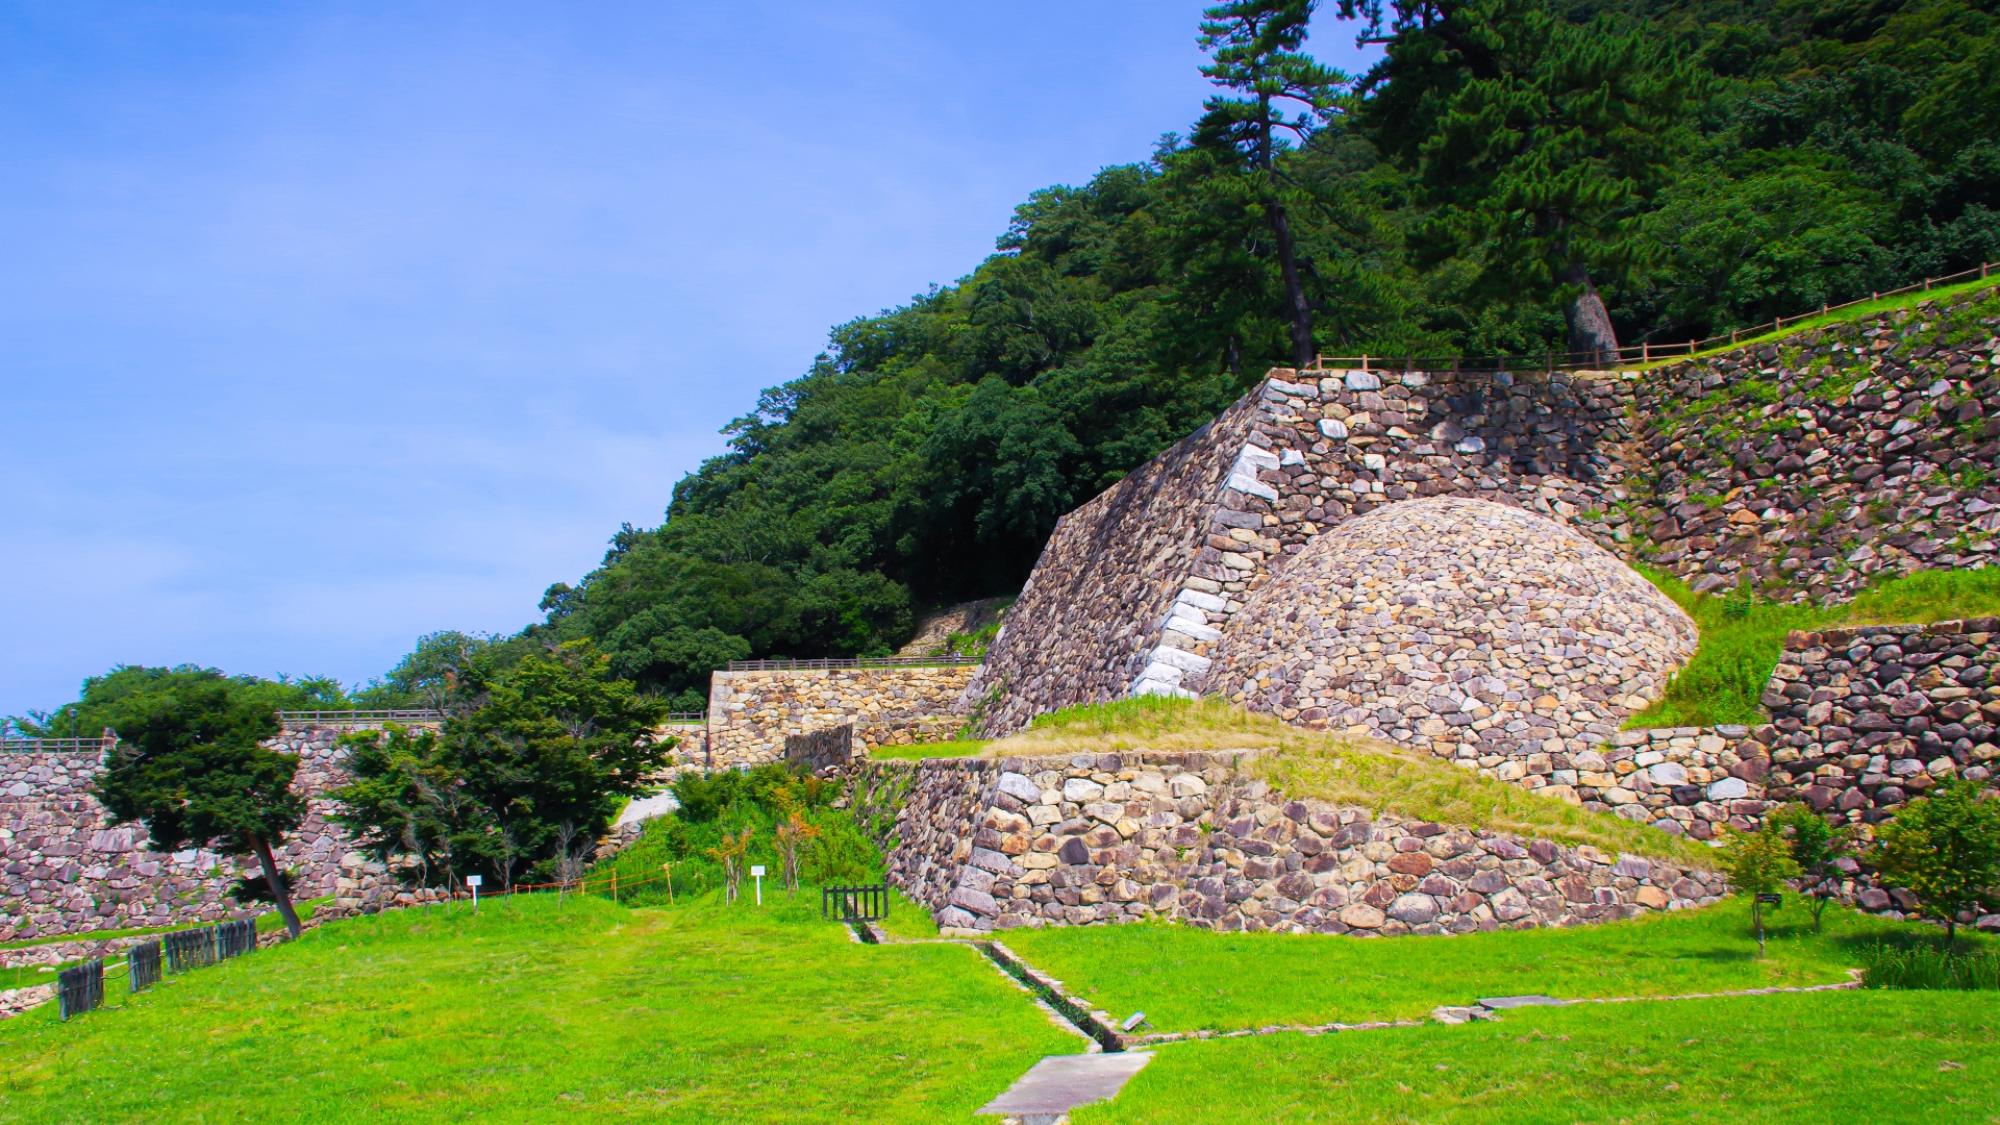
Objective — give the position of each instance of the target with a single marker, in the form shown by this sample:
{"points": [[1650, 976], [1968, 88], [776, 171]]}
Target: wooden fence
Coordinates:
{"points": [[784, 665], [143, 965], [357, 717], [80, 988]]}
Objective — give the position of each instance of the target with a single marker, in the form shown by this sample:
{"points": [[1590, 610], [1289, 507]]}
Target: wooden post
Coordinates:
{"points": [[1645, 351], [614, 884]]}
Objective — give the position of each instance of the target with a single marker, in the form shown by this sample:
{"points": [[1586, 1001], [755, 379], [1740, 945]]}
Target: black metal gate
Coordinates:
{"points": [[854, 904]]}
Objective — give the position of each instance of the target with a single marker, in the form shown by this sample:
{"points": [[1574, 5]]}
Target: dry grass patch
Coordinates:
{"points": [[1340, 768]]}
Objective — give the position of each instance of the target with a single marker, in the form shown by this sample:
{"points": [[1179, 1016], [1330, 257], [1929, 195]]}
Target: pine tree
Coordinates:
{"points": [[1540, 139], [191, 765], [1254, 46]]}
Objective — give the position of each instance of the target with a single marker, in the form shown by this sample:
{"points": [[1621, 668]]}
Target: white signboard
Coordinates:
{"points": [[756, 871], [475, 880]]}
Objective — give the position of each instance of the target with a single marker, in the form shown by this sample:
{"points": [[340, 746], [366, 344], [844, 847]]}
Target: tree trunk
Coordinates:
{"points": [[1281, 228], [281, 891], [1295, 292], [1592, 340]]}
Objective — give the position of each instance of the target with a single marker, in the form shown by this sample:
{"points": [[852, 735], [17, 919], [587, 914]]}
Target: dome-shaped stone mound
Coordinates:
{"points": [[1475, 630]]}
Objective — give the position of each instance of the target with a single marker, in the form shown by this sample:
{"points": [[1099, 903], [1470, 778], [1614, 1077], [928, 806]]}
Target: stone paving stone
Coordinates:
{"points": [[1060, 1083]]}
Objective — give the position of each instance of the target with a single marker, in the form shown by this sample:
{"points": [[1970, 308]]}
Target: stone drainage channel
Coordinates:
{"points": [[1060, 1083]]}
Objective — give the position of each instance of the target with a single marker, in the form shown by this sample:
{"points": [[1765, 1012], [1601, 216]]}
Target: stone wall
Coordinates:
{"points": [[1134, 588], [1099, 596], [1192, 836], [1864, 719], [1810, 465], [751, 712], [65, 869]]}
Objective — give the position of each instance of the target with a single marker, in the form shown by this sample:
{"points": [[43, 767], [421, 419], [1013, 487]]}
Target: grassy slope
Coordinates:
{"points": [[1184, 978], [1742, 637], [1340, 768], [532, 1013], [1876, 1056], [956, 748], [1861, 311]]}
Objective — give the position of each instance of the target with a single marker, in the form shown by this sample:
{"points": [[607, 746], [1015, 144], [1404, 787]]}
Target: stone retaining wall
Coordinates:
{"points": [[1864, 719], [1117, 837], [751, 713], [65, 869], [1809, 465], [1133, 589]]}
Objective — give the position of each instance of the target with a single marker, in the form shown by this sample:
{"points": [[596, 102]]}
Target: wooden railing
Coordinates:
{"points": [[357, 717], [57, 745], [783, 665]]}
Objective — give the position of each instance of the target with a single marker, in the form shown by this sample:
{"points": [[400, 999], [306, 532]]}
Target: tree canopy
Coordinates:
{"points": [[191, 766], [533, 765]]}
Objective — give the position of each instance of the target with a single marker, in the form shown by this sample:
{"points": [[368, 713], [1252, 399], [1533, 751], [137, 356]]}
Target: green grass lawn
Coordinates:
{"points": [[1185, 978], [1880, 1057], [1742, 637], [535, 1012], [956, 748]]}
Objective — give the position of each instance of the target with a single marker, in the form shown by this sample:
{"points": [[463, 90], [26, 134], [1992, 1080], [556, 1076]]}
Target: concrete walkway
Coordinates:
{"points": [[1060, 1083]]}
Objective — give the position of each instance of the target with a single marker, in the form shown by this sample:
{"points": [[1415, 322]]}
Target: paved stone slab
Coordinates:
{"points": [[1060, 1083], [1502, 1003]]}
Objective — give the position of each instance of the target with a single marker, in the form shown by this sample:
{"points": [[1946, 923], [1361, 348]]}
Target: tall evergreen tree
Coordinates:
{"points": [[1541, 139], [1255, 50]]}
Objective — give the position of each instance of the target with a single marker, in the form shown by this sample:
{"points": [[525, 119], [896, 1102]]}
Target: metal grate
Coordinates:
{"points": [[855, 904]]}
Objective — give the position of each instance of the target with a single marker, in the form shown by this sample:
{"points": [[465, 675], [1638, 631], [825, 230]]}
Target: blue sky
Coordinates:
{"points": [[323, 326]]}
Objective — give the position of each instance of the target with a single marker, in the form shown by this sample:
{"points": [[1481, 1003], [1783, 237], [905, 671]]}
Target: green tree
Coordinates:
{"points": [[1817, 846], [1944, 848], [441, 673], [105, 697], [551, 746], [191, 766], [1254, 48], [1759, 863], [1537, 137]]}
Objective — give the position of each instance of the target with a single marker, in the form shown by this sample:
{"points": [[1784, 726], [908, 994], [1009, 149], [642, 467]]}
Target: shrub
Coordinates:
{"points": [[1759, 863], [1816, 846], [1929, 966], [716, 810], [1944, 849]]}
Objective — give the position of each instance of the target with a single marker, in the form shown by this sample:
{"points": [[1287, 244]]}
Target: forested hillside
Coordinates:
{"points": [[1696, 165]]}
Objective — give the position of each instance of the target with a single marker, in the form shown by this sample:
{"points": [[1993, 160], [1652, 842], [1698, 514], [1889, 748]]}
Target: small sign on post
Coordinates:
{"points": [[1763, 900], [474, 881], [757, 873]]}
